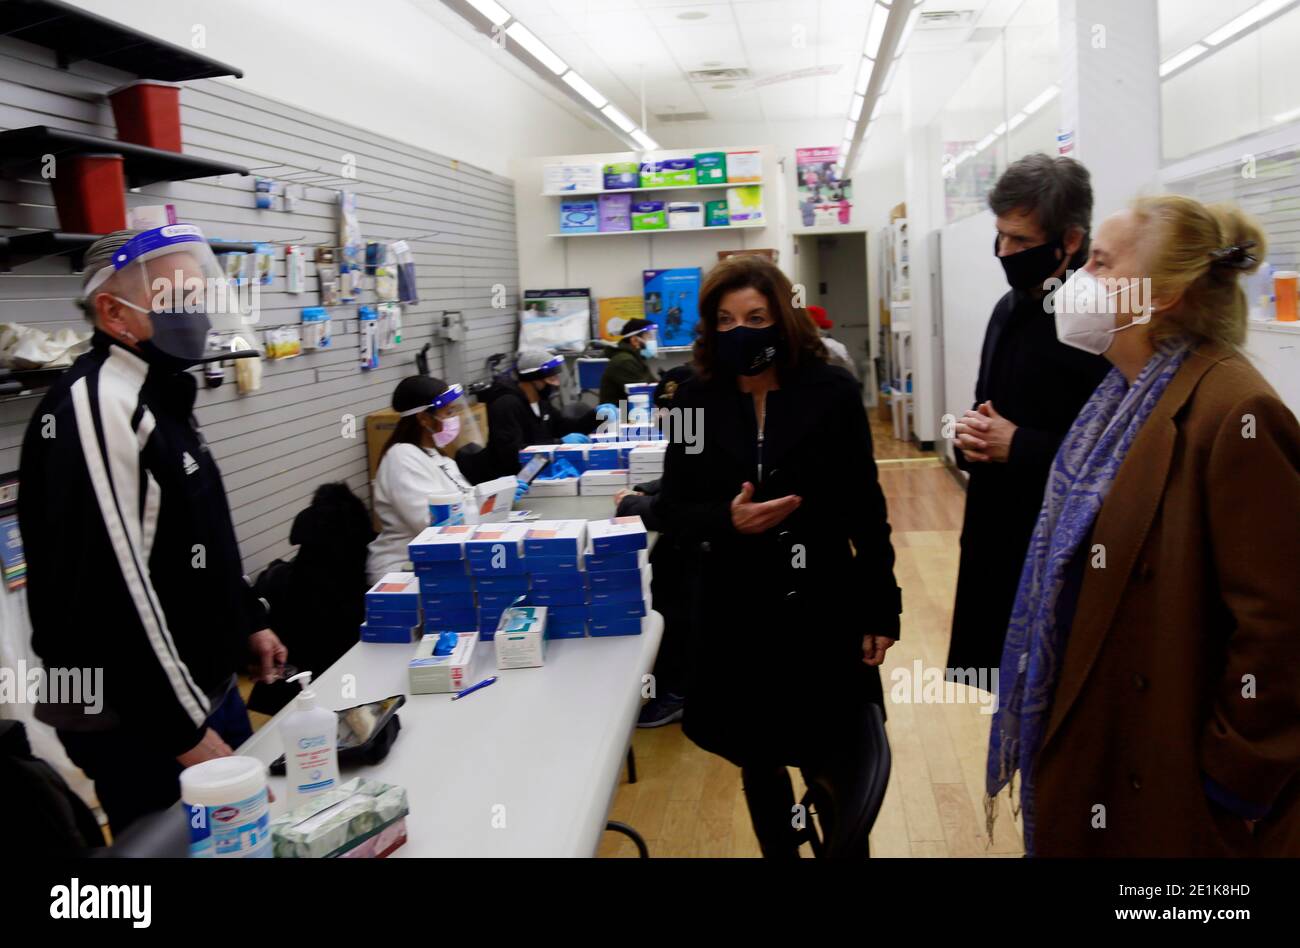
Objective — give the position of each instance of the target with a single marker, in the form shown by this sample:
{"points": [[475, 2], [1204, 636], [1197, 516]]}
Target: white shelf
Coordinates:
{"points": [[674, 187], [666, 230]]}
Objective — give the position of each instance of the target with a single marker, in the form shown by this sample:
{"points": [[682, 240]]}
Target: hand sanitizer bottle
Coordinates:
{"points": [[311, 757]]}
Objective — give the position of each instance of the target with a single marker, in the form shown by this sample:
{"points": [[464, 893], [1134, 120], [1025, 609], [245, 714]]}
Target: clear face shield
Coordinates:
{"points": [[649, 338], [171, 274], [548, 371], [457, 424]]}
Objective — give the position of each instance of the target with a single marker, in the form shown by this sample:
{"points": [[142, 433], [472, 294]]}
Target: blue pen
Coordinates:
{"points": [[472, 688]]}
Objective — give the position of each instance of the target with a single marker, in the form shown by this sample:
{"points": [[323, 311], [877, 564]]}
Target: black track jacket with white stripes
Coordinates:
{"points": [[132, 561]]}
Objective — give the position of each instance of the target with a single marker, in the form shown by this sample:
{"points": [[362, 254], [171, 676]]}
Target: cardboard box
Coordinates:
{"points": [[450, 620], [556, 487], [603, 627], [558, 539], [579, 216], [496, 549], [440, 674], [618, 586], [575, 454], [550, 596], [744, 166], [745, 205], [615, 212], [495, 498], [602, 457], [389, 634], [528, 453], [520, 638], [444, 544], [616, 535], [539, 563], [602, 482], [435, 582], [441, 602], [572, 176], [514, 583], [685, 215], [395, 594], [628, 559], [573, 579], [566, 622], [611, 611]]}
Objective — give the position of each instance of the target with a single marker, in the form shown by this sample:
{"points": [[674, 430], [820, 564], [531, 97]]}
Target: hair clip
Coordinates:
{"points": [[1235, 257]]}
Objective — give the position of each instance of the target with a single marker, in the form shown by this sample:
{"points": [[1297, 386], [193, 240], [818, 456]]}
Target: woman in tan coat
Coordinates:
{"points": [[1150, 684]]}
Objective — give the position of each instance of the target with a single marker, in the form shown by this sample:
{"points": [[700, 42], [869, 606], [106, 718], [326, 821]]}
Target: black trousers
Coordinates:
{"points": [[132, 779], [769, 794]]}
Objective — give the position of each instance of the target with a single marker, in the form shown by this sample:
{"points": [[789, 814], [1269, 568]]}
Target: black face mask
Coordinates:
{"points": [[164, 360], [1030, 269], [746, 350]]}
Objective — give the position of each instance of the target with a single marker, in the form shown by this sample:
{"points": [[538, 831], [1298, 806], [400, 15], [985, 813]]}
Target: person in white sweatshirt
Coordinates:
{"points": [[412, 466]]}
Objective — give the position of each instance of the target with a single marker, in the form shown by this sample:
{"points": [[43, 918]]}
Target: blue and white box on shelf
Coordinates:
{"points": [[616, 535]]}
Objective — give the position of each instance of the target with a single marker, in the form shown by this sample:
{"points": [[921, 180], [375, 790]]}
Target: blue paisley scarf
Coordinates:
{"points": [[1082, 473]]}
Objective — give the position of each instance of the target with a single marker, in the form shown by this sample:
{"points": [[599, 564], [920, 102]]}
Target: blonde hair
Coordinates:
{"points": [[1196, 253]]}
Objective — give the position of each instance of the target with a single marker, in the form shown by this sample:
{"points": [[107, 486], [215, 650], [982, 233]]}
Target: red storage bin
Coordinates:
{"points": [[90, 193], [148, 112]]}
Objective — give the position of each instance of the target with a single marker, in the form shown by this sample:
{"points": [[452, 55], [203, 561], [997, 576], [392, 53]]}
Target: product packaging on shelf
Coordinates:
{"points": [[622, 174], [560, 178], [579, 216], [745, 205], [615, 212], [711, 167], [716, 214], [685, 214], [743, 166], [649, 215]]}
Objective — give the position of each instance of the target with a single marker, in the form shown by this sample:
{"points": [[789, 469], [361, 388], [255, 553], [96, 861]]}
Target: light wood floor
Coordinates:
{"points": [[687, 802]]}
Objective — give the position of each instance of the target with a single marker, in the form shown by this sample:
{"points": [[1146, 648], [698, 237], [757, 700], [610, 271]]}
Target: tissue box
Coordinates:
{"points": [[560, 178], [711, 167], [649, 215], [359, 818], [496, 549], [616, 535], [389, 634], [622, 174], [615, 212], [438, 674], [744, 166], [440, 545], [579, 216], [520, 638], [555, 487], [561, 539], [397, 594]]}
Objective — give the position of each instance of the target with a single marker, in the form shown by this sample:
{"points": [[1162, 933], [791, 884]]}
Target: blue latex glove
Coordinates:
{"points": [[521, 488], [575, 439], [557, 469], [606, 412]]}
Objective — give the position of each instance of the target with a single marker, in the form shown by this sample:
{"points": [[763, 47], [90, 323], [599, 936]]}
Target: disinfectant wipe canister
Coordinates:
{"points": [[446, 509], [226, 803]]}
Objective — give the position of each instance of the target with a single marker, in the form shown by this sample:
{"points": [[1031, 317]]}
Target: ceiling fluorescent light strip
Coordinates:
{"points": [[1261, 11], [584, 89], [1182, 59], [491, 9], [624, 123], [535, 47]]}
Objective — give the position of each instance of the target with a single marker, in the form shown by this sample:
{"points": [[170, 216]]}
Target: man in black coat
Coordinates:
{"points": [[1029, 391]]}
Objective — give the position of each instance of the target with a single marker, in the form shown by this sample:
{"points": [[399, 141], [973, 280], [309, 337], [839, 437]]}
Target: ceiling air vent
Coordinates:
{"points": [[667, 117], [725, 74], [946, 19]]}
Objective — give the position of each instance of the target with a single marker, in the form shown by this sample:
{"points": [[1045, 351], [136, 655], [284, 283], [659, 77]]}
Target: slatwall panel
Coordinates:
{"points": [[276, 445], [1271, 194]]}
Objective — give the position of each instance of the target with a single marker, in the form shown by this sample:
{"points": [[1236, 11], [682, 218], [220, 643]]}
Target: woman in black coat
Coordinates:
{"points": [[777, 503]]}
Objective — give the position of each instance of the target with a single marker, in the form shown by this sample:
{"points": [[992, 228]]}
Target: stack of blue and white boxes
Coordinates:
{"points": [[593, 578], [618, 577], [392, 609]]}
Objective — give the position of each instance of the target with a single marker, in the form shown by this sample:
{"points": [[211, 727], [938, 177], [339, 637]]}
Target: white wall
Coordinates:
{"points": [[418, 74]]}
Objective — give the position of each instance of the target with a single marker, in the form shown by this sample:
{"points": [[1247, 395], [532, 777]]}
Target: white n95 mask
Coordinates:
{"points": [[1085, 313]]}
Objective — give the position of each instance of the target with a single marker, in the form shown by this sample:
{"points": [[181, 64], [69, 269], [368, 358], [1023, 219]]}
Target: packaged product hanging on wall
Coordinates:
{"points": [[264, 264], [284, 342], [390, 325], [248, 372], [295, 269], [406, 291], [386, 274], [368, 329], [352, 248], [316, 328]]}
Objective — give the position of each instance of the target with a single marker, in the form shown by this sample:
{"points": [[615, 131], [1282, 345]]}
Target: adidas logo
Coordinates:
{"points": [[191, 465]]}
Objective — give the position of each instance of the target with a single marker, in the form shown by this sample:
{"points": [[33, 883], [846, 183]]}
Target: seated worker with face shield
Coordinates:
{"points": [[639, 341], [133, 566], [520, 414], [413, 466]]}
